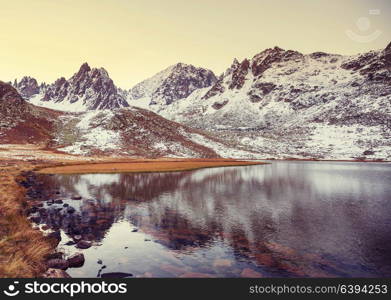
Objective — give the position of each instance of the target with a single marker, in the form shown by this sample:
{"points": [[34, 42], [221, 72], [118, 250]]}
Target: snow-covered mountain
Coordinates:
{"points": [[172, 84], [278, 104], [88, 89], [284, 103], [128, 131], [28, 87]]}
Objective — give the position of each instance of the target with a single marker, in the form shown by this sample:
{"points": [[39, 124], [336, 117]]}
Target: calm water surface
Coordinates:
{"points": [[290, 219]]}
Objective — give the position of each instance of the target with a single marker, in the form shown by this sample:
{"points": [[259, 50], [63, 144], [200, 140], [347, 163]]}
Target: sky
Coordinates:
{"points": [[134, 39]]}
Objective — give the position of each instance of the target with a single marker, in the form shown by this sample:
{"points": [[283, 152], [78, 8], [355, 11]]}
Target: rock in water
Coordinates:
{"points": [[55, 235], [76, 260], [84, 244]]}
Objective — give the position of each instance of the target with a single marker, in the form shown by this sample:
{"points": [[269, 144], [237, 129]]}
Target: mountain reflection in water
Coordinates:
{"points": [[285, 219]]}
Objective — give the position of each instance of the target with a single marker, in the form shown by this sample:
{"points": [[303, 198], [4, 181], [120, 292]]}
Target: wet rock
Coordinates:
{"points": [[55, 273], [76, 197], [70, 243], [250, 273], [99, 262], [65, 205], [76, 261], [57, 263], [135, 230], [84, 244], [147, 240], [45, 227], [35, 219], [116, 275], [58, 201], [70, 210]]}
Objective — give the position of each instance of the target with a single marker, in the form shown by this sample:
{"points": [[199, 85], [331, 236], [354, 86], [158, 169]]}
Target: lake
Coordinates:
{"points": [[284, 219]]}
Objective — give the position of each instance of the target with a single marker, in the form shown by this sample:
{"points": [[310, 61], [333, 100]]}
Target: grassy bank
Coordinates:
{"points": [[23, 250]]}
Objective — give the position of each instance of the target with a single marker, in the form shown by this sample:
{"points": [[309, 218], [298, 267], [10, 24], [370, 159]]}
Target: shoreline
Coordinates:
{"points": [[24, 250], [143, 166]]}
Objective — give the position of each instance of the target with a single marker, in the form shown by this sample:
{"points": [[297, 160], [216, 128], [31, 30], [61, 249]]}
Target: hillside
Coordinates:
{"points": [[282, 103]]}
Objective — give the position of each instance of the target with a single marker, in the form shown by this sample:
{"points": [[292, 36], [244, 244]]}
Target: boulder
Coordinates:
{"points": [[70, 210], [55, 235], [76, 260], [57, 263], [83, 244]]}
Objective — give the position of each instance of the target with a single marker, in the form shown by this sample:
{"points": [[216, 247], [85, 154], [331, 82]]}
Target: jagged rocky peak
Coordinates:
{"points": [[27, 87], [264, 60], [374, 65], [183, 80], [88, 89], [174, 83]]}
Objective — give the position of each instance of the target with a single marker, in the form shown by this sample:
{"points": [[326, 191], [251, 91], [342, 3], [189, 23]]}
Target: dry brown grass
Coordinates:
{"points": [[22, 249]]}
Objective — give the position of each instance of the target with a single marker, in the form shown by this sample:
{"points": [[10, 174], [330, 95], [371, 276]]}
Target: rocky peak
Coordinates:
{"points": [[90, 88], [264, 60], [233, 67], [84, 68], [181, 82], [173, 83], [239, 74], [27, 87]]}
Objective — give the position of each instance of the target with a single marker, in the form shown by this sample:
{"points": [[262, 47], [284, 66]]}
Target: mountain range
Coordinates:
{"points": [[279, 103]]}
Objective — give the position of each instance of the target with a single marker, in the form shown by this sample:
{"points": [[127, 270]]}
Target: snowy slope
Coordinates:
{"points": [[135, 132], [170, 85], [283, 103]]}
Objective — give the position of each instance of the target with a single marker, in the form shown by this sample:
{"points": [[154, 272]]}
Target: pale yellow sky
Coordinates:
{"points": [[134, 39]]}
